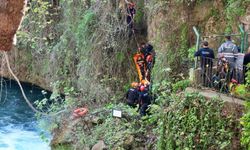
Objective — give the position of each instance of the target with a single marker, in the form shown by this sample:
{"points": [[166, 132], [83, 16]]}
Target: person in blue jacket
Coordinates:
{"points": [[144, 100], [206, 55]]}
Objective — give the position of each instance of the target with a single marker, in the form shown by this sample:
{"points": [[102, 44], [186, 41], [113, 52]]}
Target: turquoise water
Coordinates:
{"points": [[19, 129]]}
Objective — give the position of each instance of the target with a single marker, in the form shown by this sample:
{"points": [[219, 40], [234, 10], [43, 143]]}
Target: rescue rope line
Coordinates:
{"points": [[23, 93], [19, 84], [3, 83], [138, 45]]}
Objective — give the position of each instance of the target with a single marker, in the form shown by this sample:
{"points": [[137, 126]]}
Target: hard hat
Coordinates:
{"points": [[142, 88], [143, 82], [134, 84]]}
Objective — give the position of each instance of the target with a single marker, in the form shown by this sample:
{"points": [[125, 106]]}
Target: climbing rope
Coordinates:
{"points": [[132, 21], [5, 85], [138, 45], [19, 84], [23, 93]]}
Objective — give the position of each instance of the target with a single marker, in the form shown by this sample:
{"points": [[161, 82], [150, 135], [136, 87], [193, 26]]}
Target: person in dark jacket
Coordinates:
{"points": [[246, 62], [144, 100], [149, 55], [207, 55], [130, 15], [149, 66], [147, 49], [132, 95]]}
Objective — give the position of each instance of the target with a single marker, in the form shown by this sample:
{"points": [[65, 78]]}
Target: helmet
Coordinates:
{"points": [[134, 84], [145, 82], [149, 58], [142, 88]]}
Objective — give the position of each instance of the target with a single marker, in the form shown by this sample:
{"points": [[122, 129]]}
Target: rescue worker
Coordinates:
{"points": [[207, 56], [149, 66], [130, 15], [145, 83], [246, 62], [147, 49], [229, 51], [144, 100], [149, 55], [132, 95]]}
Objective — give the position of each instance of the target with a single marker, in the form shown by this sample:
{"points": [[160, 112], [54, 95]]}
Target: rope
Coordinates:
{"points": [[23, 93], [18, 82], [138, 45]]}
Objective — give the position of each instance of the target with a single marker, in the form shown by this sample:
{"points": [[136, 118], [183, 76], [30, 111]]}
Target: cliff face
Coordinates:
{"points": [[86, 46], [11, 14], [170, 28], [65, 55]]}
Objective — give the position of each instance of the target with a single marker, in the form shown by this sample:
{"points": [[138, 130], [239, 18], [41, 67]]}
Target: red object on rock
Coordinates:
{"points": [[79, 112]]}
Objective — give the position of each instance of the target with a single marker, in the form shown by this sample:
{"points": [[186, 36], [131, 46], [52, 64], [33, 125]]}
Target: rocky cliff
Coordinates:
{"points": [[43, 60], [86, 45]]}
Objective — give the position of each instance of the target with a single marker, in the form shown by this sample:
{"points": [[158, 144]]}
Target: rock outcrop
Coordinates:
{"points": [[11, 13]]}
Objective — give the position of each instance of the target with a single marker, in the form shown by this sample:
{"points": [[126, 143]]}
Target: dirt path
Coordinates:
{"points": [[212, 94]]}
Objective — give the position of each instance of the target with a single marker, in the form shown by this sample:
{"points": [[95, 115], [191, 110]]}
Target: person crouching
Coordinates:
{"points": [[132, 95], [144, 100]]}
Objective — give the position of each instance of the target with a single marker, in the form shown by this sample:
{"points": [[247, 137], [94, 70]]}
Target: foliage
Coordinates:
{"points": [[234, 9], [192, 122], [139, 13], [64, 45], [88, 49], [245, 120], [191, 52], [181, 85], [116, 132], [36, 33]]}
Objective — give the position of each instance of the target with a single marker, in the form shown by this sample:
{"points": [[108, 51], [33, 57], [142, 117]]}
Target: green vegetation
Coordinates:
{"points": [[245, 120], [83, 49], [189, 121], [234, 9], [195, 123], [177, 121], [140, 13]]}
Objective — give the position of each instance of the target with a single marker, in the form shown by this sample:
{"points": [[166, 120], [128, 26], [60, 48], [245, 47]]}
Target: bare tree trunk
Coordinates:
{"points": [[11, 13]]}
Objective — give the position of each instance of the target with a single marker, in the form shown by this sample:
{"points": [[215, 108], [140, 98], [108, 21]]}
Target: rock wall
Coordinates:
{"points": [[165, 24], [92, 51], [11, 13]]}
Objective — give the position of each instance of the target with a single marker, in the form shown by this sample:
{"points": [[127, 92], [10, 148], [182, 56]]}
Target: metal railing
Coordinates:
{"points": [[243, 36], [219, 73]]}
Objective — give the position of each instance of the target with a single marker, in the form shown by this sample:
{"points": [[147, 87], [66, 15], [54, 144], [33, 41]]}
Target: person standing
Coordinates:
{"points": [[144, 100], [130, 15], [246, 62], [132, 95], [229, 50], [207, 55]]}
